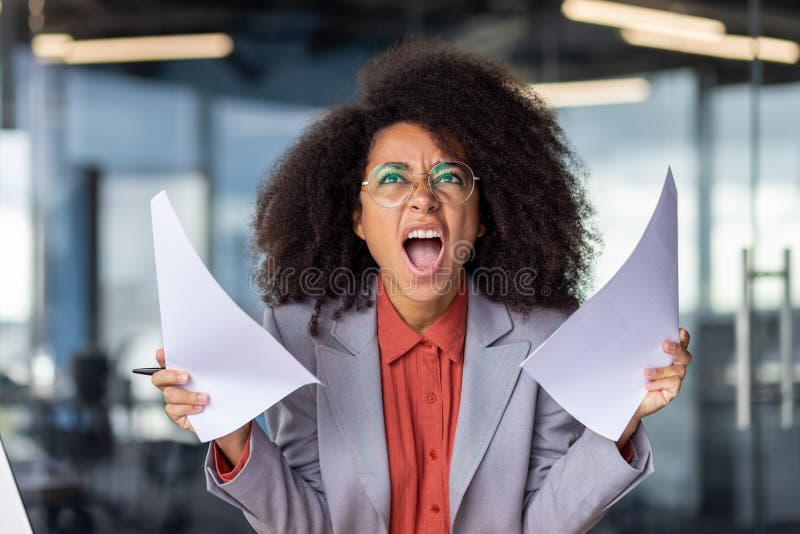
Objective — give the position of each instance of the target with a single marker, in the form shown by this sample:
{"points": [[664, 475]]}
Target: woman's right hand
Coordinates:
{"points": [[179, 402]]}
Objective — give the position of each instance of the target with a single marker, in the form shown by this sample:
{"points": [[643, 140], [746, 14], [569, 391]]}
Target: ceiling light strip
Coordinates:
{"points": [[737, 47], [62, 47], [620, 15], [593, 92]]}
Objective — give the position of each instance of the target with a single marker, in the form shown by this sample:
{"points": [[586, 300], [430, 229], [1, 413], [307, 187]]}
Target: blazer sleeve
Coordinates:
{"points": [[576, 474], [279, 489]]}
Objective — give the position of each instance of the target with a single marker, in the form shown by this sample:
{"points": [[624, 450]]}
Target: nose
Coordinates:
{"points": [[422, 198]]}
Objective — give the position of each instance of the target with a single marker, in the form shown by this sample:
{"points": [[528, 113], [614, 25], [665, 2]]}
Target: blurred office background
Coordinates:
{"points": [[91, 130]]}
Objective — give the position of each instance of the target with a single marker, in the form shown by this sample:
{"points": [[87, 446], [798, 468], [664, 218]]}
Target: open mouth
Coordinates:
{"points": [[423, 250]]}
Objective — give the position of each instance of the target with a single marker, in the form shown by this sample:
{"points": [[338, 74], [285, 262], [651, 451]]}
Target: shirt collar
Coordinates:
{"points": [[396, 338]]}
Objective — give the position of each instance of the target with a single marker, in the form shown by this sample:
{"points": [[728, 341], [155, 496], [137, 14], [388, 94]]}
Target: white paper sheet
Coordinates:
{"points": [[227, 354], [15, 518], [593, 364]]}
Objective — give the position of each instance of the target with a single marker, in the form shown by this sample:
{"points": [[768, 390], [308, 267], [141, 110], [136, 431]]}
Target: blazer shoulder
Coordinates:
{"points": [[291, 311], [540, 322], [292, 318]]}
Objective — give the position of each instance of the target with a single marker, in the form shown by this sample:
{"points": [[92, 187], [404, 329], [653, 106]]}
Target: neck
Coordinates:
{"points": [[421, 315]]}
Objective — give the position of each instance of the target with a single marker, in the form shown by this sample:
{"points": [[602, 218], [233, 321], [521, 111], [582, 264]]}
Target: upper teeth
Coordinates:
{"points": [[423, 234]]}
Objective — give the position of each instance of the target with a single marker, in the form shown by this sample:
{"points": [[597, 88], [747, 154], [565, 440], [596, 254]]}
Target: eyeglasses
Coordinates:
{"points": [[391, 184]]}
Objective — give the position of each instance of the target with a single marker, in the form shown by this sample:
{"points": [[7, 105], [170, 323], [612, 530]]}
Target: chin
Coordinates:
{"points": [[428, 287]]}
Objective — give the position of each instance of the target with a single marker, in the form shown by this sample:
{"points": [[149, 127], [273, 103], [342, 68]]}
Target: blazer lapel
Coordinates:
{"points": [[352, 380], [489, 377]]}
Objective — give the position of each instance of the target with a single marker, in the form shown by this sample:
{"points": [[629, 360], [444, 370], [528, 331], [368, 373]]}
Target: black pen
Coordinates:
{"points": [[147, 370]]}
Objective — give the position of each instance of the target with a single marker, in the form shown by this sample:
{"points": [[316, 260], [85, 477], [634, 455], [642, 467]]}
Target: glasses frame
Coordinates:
{"points": [[414, 184]]}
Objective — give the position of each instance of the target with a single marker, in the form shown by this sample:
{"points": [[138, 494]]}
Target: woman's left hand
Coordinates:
{"points": [[663, 385]]}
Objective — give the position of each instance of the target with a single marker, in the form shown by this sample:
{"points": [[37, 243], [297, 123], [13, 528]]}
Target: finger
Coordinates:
{"points": [[671, 383], [176, 411], [685, 337], [160, 357], [683, 358], [679, 354], [654, 373], [183, 422], [173, 395], [169, 377]]}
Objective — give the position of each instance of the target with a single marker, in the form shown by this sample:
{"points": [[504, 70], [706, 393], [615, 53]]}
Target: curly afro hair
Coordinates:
{"points": [[532, 201]]}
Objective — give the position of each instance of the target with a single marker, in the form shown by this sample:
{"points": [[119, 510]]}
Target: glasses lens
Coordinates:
{"points": [[390, 184], [452, 182]]}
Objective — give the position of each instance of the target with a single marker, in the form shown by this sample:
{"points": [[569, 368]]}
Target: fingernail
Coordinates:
{"points": [[183, 378], [197, 409], [201, 397], [650, 372]]}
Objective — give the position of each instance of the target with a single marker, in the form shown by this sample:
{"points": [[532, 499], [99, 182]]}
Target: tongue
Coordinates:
{"points": [[423, 252]]}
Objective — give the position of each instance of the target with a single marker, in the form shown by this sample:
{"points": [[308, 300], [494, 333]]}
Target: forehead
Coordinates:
{"points": [[410, 143]]}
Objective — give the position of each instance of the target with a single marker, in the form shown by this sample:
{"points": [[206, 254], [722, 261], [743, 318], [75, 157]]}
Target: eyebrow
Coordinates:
{"points": [[407, 166]]}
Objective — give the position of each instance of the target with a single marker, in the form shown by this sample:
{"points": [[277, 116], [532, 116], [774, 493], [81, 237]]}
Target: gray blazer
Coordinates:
{"points": [[520, 463]]}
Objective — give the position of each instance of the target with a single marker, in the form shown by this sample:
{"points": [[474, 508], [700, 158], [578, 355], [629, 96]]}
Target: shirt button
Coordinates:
{"points": [[433, 454], [428, 344], [431, 398], [435, 508]]}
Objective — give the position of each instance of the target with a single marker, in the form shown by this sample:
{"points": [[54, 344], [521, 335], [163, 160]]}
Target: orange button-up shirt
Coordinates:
{"points": [[421, 381]]}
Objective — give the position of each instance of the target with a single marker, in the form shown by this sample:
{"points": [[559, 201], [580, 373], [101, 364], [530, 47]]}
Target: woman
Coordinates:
{"points": [[413, 289]]}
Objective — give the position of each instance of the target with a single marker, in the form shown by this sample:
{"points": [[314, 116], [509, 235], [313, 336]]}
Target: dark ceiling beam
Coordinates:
{"points": [[141, 23]]}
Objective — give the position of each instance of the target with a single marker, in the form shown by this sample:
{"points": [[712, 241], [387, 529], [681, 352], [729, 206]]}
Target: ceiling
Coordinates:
{"points": [[533, 35]]}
